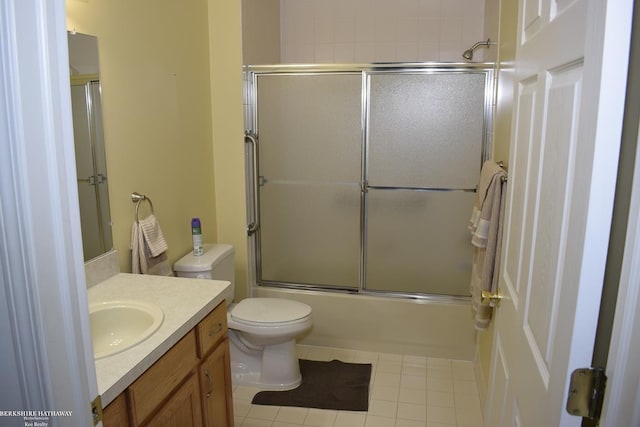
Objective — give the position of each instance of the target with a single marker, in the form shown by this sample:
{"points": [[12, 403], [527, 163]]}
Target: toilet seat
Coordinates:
{"points": [[267, 312]]}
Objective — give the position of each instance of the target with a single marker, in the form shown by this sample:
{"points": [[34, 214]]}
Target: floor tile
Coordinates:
{"points": [[405, 391]]}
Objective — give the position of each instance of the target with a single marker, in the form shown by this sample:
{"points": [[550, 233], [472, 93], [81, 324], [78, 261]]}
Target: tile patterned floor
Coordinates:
{"points": [[406, 391]]}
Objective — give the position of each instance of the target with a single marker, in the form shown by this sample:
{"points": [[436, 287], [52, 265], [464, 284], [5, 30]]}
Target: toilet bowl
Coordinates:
{"points": [[262, 331]]}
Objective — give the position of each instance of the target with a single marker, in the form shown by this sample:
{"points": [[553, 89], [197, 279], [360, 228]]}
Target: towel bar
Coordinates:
{"points": [[137, 199], [501, 164]]}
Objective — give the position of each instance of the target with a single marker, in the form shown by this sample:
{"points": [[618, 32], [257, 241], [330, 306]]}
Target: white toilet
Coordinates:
{"points": [[262, 331]]}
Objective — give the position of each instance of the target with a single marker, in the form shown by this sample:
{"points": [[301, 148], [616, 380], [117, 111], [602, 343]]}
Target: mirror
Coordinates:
{"points": [[91, 166]]}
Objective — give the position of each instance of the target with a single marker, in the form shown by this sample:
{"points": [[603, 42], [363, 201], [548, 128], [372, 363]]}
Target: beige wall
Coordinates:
{"points": [[170, 117], [225, 44], [502, 131]]}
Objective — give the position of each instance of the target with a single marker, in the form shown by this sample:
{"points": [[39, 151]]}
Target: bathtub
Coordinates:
{"points": [[431, 328]]}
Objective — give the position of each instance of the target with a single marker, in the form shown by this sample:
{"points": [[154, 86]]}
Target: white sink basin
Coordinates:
{"points": [[119, 325]]}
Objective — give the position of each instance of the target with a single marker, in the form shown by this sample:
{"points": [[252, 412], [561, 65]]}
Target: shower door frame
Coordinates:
{"points": [[253, 72]]}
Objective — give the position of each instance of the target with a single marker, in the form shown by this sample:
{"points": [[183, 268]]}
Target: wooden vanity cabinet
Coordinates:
{"points": [[215, 369], [190, 385]]}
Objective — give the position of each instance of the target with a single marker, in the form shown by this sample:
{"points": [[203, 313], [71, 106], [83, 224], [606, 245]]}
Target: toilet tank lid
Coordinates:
{"points": [[213, 254]]}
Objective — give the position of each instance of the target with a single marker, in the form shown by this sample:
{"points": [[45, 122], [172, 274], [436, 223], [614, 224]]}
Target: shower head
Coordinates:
{"points": [[468, 54]]}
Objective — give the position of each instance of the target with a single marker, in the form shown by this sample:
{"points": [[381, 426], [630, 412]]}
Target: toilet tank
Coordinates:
{"points": [[216, 263]]}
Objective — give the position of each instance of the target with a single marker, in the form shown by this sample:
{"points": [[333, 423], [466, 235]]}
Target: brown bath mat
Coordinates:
{"points": [[325, 385]]}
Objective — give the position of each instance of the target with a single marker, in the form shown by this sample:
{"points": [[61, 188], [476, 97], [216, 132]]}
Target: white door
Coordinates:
{"points": [[570, 76]]}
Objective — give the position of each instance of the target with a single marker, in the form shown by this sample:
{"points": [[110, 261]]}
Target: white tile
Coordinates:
{"points": [[438, 414], [421, 396], [345, 30], [465, 386], [410, 411], [241, 408], [414, 370], [439, 384], [342, 355], [376, 421], [385, 393], [408, 360], [430, 8], [345, 53], [390, 356], [252, 422], [365, 357], [292, 415], [319, 353], [320, 418], [433, 362], [281, 424], [410, 423], [440, 398], [443, 372], [416, 382], [245, 393], [302, 351], [386, 380], [383, 408], [350, 419], [412, 395], [463, 372], [323, 53], [389, 367], [263, 412]]}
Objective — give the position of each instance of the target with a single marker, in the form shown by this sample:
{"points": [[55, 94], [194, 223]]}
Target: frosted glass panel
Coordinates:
{"points": [[418, 242], [426, 130], [310, 127], [310, 234]]}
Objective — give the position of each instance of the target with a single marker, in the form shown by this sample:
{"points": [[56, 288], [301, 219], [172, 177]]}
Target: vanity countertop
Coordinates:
{"points": [[185, 302]]}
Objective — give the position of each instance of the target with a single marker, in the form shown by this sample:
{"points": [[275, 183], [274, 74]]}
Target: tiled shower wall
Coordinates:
{"points": [[365, 31]]}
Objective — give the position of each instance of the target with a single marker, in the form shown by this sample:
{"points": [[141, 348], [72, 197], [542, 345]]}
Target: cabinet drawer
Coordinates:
{"points": [[157, 382], [211, 329]]}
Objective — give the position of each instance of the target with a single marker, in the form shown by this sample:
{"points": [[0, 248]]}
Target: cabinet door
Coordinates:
{"points": [[115, 414], [182, 409], [215, 387]]}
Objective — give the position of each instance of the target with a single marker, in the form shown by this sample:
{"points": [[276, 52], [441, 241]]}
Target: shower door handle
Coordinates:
{"points": [[252, 138]]}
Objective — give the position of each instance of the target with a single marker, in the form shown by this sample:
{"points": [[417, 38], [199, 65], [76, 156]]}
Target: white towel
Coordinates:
{"points": [[149, 248], [486, 235]]}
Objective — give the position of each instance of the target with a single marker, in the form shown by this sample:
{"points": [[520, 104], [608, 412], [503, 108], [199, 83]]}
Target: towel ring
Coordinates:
{"points": [[137, 199]]}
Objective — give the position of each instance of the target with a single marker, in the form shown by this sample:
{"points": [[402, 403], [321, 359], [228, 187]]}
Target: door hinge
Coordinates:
{"points": [[586, 392], [96, 410]]}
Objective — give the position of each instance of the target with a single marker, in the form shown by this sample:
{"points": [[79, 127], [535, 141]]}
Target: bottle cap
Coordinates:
{"points": [[195, 222]]}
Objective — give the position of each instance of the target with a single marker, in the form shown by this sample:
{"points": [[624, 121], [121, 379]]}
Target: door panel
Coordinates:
{"points": [[410, 249], [426, 130], [310, 157], [310, 233], [310, 127], [564, 149]]}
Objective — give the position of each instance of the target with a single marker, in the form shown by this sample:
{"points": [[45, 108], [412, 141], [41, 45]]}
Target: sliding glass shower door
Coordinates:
{"points": [[367, 177], [424, 143], [310, 131]]}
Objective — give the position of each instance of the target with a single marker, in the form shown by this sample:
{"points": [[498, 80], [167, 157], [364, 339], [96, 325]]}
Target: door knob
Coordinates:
{"points": [[486, 297]]}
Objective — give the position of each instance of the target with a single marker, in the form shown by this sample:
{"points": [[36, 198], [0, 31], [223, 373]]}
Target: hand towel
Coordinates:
{"points": [[153, 235], [486, 235], [146, 240]]}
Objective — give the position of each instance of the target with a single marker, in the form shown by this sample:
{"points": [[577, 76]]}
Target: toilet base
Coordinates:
{"points": [[274, 367]]}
